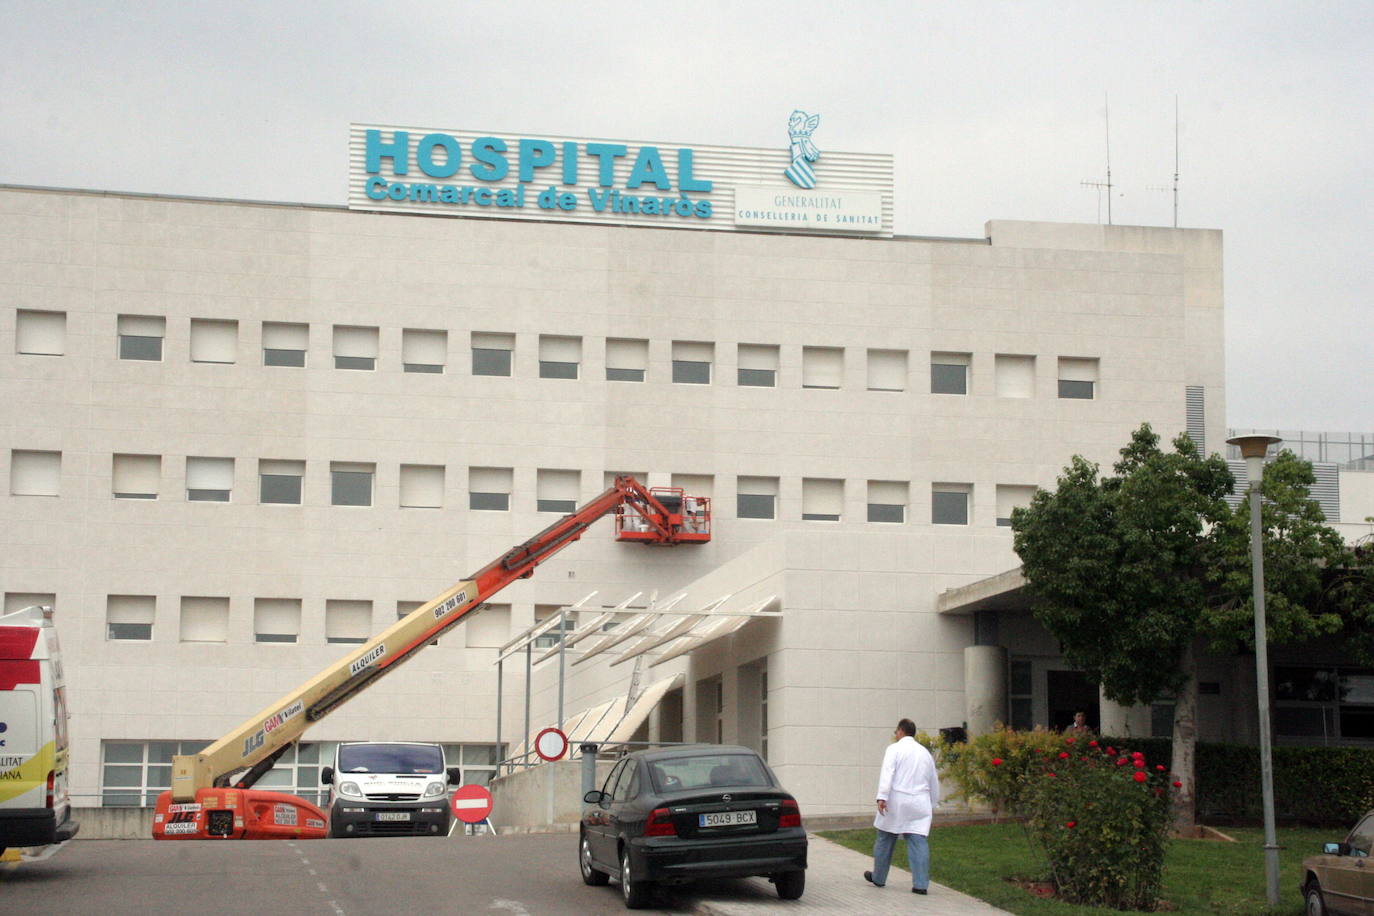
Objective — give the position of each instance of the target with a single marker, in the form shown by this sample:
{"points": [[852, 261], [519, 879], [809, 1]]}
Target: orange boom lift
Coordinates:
{"points": [[203, 803]]}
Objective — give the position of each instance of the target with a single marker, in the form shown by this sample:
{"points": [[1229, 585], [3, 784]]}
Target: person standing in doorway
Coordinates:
{"points": [[1079, 726], [908, 791]]}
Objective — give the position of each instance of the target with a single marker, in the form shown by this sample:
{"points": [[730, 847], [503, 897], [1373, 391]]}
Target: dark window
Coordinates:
{"points": [[691, 372], [493, 502], [819, 517], [293, 358], [136, 346], [758, 378], [424, 367], [555, 505], [281, 489], [553, 369], [753, 505], [349, 639], [490, 362], [1079, 390], [276, 637], [135, 496], [351, 488], [948, 508], [886, 512], [354, 362], [624, 375], [130, 631], [208, 496], [947, 378]]}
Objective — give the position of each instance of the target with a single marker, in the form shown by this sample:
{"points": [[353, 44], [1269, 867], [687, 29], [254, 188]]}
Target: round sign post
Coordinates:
{"points": [[551, 744], [471, 804]]}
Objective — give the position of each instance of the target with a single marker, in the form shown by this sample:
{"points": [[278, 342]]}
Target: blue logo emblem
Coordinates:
{"points": [[804, 152]]}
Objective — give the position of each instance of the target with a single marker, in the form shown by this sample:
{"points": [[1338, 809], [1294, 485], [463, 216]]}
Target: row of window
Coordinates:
{"points": [[141, 337], [282, 482], [134, 773]]}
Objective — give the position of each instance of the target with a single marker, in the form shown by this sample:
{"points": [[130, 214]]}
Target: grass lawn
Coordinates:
{"points": [[1201, 877]]}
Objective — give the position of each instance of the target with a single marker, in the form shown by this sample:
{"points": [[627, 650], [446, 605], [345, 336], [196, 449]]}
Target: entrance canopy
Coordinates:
{"points": [[1005, 591]]}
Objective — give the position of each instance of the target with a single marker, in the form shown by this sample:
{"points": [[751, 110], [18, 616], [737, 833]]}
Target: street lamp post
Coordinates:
{"points": [[1253, 449]]}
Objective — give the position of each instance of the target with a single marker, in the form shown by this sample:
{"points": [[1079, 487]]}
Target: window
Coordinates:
{"points": [[355, 347], [822, 367], [135, 476], [488, 627], [695, 484], [557, 491], [35, 473], [489, 489], [822, 499], [279, 482], [949, 503], [140, 336], [763, 710], [276, 619], [40, 333], [887, 501], [718, 688], [347, 621], [1009, 497], [284, 344], [887, 370], [424, 351], [209, 479], [692, 362], [422, 486], [1077, 378], [492, 353], [626, 359], [758, 366], [1320, 704], [1015, 375], [350, 483], [297, 772], [17, 601], [214, 341], [1020, 689], [553, 637], [477, 761], [204, 619], [134, 773], [949, 373], [756, 497], [129, 617], [559, 357]]}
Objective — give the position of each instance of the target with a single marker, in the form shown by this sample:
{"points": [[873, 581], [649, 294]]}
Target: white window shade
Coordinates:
{"points": [[560, 349], [757, 486], [204, 619], [822, 367], [35, 473], [136, 475], [347, 621], [1073, 369], [887, 370], [422, 486], [40, 333], [758, 356], [283, 336], [130, 609], [1011, 496], [142, 325], [888, 492], [209, 473], [822, 499], [214, 341], [696, 484], [623, 353], [487, 341], [282, 467], [280, 617], [17, 601], [355, 342], [424, 348], [1015, 375], [490, 480], [693, 351], [559, 485], [489, 627]]}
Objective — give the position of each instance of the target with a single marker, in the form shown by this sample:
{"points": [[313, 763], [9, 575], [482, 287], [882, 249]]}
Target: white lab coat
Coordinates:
{"points": [[910, 786]]}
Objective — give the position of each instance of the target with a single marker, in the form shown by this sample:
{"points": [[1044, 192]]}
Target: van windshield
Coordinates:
{"points": [[390, 758]]}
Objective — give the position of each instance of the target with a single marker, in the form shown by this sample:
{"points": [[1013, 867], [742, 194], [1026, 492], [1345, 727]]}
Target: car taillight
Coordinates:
{"points": [[791, 814], [52, 779], [660, 823]]}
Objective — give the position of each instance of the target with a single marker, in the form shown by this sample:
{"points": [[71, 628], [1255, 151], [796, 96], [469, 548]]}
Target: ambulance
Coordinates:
{"points": [[35, 808]]}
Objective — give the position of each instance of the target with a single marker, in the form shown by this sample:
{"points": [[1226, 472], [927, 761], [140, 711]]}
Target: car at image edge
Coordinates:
{"points": [[1341, 879], [672, 815]]}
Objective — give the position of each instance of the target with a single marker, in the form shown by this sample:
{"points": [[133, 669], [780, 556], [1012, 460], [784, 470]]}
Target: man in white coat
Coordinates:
{"points": [[908, 791]]}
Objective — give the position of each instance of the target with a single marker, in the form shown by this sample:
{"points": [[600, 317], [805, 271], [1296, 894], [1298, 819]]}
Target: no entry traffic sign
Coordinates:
{"points": [[551, 744], [471, 804]]}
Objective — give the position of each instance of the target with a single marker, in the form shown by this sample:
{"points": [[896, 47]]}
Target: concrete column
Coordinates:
{"points": [[985, 688], [749, 708], [1122, 721]]}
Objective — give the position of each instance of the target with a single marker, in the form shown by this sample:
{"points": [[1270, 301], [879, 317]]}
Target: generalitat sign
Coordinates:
{"points": [[563, 179]]}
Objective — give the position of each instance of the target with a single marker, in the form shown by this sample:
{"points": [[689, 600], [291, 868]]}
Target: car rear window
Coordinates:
{"points": [[709, 770]]}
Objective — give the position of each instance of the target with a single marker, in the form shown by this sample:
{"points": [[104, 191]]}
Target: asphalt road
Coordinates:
{"points": [[501, 876]]}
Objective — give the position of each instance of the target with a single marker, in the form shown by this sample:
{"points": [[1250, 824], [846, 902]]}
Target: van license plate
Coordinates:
{"points": [[393, 815], [728, 818]]}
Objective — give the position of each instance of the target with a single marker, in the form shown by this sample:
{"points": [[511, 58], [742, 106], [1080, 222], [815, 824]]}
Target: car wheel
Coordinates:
{"points": [[636, 892], [590, 875], [1315, 902], [791, 884]]}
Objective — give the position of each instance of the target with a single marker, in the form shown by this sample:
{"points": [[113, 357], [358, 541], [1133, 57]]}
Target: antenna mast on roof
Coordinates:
{"points": [[1107, 121], [1175, 188]]}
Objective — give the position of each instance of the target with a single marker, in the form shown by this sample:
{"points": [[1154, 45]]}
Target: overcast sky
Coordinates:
{"points": [[992, 111]]}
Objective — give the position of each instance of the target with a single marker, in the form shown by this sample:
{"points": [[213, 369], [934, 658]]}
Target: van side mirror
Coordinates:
{"points": [[594, 797], [326, 776], [455, 776]]}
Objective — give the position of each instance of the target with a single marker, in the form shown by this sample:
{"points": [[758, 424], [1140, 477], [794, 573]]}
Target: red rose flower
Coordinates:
{"points": [[1068, 741], [1071, 824], [1121, 761], [1111, 752], [1159, 767], [1140, 777], [1140, 764], [1092, 744], [1177, 784], [1063, 755], [1050, 774], [997, 761]]}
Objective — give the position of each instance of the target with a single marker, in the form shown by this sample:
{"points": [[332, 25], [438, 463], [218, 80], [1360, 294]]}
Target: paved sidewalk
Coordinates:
{"points": [[835, 885]]}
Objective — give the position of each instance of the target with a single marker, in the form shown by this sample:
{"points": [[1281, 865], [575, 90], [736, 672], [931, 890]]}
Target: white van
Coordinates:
{"points": [[35, 809], [389, 788]]}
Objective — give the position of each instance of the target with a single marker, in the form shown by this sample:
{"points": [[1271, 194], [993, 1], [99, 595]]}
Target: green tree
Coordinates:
{"points": [[1133, 572]]}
